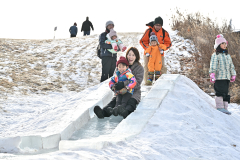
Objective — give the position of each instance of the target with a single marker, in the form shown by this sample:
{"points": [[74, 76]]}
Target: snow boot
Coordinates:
{"points": [[220, 105], [98, 111], [115, 111], [157, 75], [150, 78], [123, 111], [226, 107]]}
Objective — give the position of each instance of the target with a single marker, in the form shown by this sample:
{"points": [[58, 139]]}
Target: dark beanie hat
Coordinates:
{"points": [[158, 20], [122, 60]]}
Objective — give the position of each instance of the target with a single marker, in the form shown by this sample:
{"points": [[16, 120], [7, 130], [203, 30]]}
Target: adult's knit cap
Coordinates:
{"points": [[158, 20], [122, 60], [219, 39], [109, 22]]}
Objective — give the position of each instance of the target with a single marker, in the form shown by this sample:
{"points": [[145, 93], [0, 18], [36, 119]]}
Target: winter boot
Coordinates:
{"points": [[150, 78], [98, 111], [157, 75], [220, 105], [123, 111], [115, 111], [226, 107], [122, 47]]}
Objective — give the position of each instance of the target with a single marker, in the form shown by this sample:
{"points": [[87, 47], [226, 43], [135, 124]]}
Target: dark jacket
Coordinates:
{"points": [[86, 26], [73, 30], [104, 46]]}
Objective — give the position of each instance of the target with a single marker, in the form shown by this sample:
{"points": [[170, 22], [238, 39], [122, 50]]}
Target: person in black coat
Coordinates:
{"points": [[86, 27], [73, 30], [108, 59]]}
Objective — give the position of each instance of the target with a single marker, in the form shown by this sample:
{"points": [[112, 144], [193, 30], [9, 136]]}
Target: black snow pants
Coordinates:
{"points": [[108, 67], [221, 88]]}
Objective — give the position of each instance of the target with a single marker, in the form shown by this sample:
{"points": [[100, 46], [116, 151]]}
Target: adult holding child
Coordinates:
{"points": [[163, 38], [133, 57], [109, 59]]}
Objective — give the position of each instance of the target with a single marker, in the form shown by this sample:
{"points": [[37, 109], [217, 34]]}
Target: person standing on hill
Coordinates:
{"points": [[108, 59], [163, 38], [73, 30], [86, 27], [222, 72]]}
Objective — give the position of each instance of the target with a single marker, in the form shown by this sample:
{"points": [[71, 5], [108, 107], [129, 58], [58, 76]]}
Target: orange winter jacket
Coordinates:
{"points": [[155, 59], [144, 41]]}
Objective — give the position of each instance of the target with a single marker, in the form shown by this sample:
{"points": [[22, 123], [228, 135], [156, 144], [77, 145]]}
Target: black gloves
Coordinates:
{"points": [[119, 85]]}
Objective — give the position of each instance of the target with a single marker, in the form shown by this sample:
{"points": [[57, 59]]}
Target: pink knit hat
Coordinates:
{"points": [[220, 39], [112, 33]]}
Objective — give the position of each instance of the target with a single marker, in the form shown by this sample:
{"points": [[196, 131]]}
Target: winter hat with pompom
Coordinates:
{"points": [[220, 39], [122, 60], [153, 37]]}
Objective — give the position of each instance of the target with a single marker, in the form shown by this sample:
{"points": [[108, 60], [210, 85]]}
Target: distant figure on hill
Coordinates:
{"points": [[73, 30], [86, 27]]}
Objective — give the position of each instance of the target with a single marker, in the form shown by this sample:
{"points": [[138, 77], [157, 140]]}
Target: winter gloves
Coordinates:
{"points": [[147, 54], [119, 85], [233, 78], [212, 78], [121, 91]]}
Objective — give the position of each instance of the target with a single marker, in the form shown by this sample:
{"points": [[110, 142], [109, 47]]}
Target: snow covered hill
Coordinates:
{"points": [[43, 81]]}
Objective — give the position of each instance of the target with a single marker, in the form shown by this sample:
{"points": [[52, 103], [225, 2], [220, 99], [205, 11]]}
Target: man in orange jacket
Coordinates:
{"points": [[163, 38]]}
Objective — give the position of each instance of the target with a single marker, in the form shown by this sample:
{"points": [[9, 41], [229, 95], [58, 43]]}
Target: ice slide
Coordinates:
{"points": [[81, 131]]}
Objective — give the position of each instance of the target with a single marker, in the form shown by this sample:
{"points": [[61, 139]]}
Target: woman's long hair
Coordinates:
{"points": [[136, 52]]}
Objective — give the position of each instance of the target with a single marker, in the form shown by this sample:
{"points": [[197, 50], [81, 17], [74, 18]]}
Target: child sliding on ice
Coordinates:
{"points": [[154, 52], [115, 42], [221, 72], [122, 74]]}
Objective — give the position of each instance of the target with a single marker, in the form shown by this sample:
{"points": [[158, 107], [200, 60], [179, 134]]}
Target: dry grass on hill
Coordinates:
{"points": [[202, 31]]}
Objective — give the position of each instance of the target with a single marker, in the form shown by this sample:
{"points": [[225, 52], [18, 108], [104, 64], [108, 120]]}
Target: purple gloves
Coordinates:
{"points": [[232, 78], [212, 78]]}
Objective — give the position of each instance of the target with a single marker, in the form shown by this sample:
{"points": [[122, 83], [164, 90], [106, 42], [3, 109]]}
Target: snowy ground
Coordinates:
{"points": [[42, 80]]}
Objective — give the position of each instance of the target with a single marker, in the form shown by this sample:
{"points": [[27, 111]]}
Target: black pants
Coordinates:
{"points": [[221, 88], [108, 67], [131, 106], [72, 35], [123, 99], [86, 33]]}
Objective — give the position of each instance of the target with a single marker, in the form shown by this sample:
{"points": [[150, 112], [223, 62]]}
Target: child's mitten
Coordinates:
{"points": [[212, 78], [161, 51], [113, 88], [108, 42], [124, 48], [232, 78], [123, 91], [119, 85]]}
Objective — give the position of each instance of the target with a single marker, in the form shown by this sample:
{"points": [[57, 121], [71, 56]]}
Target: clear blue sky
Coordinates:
{"points": [[36, 19]]}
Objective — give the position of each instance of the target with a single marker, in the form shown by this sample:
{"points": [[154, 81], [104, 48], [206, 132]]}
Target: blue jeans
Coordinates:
{"points": [[86, 33]]}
